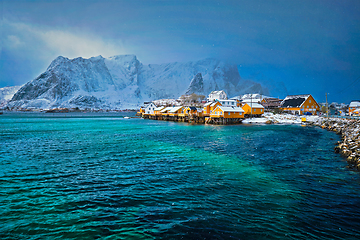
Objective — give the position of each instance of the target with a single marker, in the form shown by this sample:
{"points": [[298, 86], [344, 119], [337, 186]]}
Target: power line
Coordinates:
{"points": [[350, 85]]}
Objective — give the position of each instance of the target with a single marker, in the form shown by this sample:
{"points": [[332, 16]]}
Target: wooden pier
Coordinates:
{"points": [[195, 119]]}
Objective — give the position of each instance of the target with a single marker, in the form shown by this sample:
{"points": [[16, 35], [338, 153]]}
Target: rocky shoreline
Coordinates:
{"points": [[349, 129]]}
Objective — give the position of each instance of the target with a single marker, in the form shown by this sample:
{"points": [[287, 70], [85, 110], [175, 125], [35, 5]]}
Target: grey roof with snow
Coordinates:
{"points": [[294, 100]]}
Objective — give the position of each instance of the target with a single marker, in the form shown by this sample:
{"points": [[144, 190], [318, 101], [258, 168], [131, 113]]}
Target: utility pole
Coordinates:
{"points": [[327, 106], [251, 105]]}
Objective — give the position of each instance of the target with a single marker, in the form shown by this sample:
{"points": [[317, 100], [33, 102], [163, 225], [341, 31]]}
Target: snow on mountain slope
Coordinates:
{"points": [[122, 82], [6, 93], [196, 85]]}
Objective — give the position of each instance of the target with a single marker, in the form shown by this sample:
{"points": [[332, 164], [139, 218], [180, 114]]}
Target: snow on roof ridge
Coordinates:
{"points": [[297, 96], [174, 109], [354, 103], [255, 105]]}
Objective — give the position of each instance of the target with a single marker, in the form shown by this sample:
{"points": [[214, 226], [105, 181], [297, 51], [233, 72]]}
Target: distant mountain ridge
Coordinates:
{"points": [[122, 81]]}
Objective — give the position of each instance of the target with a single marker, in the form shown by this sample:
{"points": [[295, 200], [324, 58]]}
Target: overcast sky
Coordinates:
{"points": [[291, 46]]}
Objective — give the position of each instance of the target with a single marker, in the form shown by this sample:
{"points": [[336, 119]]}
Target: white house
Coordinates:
{"points": [[217, 95], [149, 108]]}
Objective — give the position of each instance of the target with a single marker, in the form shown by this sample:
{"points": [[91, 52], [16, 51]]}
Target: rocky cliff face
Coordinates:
{"points": [[124, 82], [196, 85]]}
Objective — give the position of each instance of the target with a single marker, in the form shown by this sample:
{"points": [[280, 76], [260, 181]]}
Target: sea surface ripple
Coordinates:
{"points": [[114, 178]]}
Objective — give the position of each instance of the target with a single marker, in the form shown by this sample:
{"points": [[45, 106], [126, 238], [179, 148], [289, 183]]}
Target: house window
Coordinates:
{"points": [[228, 113], [309, 101], [232, 103]]}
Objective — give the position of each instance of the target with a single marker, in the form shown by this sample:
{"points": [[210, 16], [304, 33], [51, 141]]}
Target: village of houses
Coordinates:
{"points": [[218, 109]]}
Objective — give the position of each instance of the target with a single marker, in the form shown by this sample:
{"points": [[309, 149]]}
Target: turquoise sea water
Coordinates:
{"points": [[113, 178]]}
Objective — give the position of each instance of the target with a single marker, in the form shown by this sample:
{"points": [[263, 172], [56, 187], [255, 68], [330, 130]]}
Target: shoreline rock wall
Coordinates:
{"points": [[349, 146]]}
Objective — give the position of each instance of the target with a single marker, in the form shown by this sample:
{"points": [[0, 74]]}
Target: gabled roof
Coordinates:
{"points": [[159, 108], [253, 100], [272, 99], [355, 103], [231, 109], [297, 96], [174, 109], [294, 100], [217, 92], [147, 105], [226, 100], [213, 104], [193, 108], [255, 105], [207, 104], [166, 109]]}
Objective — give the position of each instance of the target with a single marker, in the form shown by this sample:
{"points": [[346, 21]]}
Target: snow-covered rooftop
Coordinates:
{"points": [[159, 108], [255, 105], [174, 109], [253, 100], [226, 100], [231, 109], [355, 104], [297, 96], [217, 92], [166, 109], [294, 100]]}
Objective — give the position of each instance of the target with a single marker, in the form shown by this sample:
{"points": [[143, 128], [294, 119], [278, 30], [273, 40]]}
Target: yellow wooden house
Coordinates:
{"points": [[354, 105], [227, 112], [141, 111], [300, 104], [253, 108], [175, 111], [157, 111], [206, 109], [190, 111], [165, 111], [209, 107]]}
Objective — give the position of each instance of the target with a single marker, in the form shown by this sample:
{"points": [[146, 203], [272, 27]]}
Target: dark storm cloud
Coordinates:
{"points": [[310, 46]]}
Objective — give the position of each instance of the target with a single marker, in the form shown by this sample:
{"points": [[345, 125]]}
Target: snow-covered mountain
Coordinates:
{"points": [[6, 93], [196, 85], [124, 82]]}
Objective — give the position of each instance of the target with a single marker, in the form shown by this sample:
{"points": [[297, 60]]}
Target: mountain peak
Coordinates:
{"points": [[196, 85], [57, 61], [124, 58], [97, 58]]}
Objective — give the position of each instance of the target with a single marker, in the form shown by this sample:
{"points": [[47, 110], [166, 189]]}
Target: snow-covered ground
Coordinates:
{"points": [[280, 119]]}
